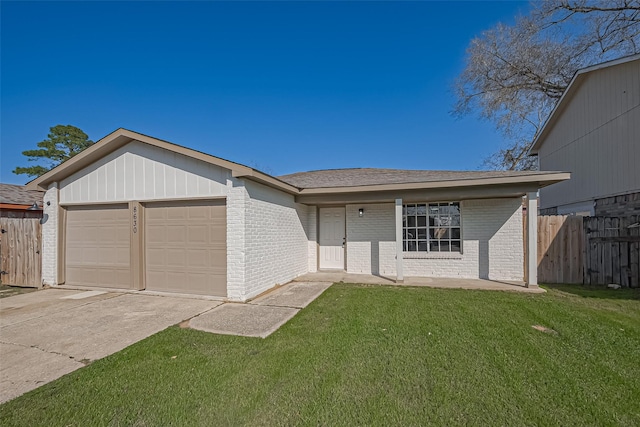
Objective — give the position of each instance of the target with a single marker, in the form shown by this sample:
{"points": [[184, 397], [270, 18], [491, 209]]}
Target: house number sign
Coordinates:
{"points": [[135, 219]]}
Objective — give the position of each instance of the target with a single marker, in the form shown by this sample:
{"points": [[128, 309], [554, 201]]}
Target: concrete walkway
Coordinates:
{"points": [[49, 333], [478, 284], [262, 316]]}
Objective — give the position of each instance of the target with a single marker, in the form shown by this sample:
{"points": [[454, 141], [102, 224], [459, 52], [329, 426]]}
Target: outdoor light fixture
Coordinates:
{"points": [[33, 207], [360, 212]]}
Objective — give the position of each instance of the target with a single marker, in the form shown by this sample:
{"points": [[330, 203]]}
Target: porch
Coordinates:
{"points": [[433, 282]]}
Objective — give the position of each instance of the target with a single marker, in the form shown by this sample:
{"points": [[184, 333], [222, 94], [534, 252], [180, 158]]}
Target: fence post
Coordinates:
{"points": [[532, 239]]}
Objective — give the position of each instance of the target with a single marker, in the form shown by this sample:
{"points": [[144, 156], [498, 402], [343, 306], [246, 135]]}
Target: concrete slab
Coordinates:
{"points": [[294, 294], [44, 329], [84, 295], [243, 319], [96, 330], [433, 282], [44, 303], [43, 367]]}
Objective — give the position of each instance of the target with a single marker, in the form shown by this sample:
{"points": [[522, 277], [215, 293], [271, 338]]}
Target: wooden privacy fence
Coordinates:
{"points": [[589, 250], [612, 252], [560, 249], [20, 251]]}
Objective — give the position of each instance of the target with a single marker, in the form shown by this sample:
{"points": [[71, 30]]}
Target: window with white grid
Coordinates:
{"points": [[431, 227]]}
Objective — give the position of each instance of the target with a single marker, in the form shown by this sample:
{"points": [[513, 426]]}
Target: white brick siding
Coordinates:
{"points": [[237, 202], [371, 239], [492, 243], [50, 236], [276, 239]]}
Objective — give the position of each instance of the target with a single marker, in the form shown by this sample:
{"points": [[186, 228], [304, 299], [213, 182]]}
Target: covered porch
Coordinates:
{"points": [[433, 282]]}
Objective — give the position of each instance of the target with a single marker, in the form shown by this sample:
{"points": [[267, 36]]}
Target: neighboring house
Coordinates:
{"points": [[18, 202], [20, 236], [594, 133], [137, 212]]}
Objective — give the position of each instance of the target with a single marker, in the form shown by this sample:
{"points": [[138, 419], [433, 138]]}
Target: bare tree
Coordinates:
{"points": [[515, 74]]}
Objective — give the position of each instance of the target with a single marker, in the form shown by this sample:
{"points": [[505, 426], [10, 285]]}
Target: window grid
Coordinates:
{"points": [[431, 227]]}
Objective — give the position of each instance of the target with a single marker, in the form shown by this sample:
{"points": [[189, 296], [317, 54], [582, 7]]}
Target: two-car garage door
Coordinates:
{"points": [[183, 248]]}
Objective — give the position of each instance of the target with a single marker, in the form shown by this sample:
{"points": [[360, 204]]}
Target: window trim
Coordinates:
{"points": [[417, 254]]}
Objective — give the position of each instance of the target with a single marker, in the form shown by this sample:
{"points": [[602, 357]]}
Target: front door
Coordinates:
{"points": [[332, 238]]}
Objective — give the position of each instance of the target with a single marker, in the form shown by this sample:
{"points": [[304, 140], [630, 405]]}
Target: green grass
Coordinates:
{"points": [[374, 355], [9, 291]]}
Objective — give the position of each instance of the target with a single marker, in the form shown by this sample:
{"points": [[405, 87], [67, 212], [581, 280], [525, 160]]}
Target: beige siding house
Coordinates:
{"points": [[594, 133], [139, 213]]}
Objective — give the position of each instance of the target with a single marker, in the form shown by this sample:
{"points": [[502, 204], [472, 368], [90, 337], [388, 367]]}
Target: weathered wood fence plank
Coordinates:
{"points": [[589, 250], [20, 251], [560, 249]]}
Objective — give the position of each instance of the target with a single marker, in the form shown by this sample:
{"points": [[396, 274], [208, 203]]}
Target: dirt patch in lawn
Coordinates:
{"points": [[544, 329]]}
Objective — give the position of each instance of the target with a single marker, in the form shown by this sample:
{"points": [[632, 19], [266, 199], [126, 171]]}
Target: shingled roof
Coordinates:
{"points": [[18, 195], [368, 176]]}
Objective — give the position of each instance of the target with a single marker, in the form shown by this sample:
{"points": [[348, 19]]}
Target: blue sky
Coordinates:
{"points": [[281, 86]]}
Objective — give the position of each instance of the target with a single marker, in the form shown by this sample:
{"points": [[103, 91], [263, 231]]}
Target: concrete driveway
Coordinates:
{"points": [[47, 334]]}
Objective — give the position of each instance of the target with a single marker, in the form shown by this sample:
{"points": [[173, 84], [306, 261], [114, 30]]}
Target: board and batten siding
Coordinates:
{"points": [[596, 138], [142, 172]]}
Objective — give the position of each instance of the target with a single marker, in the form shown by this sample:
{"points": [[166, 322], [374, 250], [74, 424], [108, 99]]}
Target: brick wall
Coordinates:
{"points": [[276, 239], [237, 202], [50, 236], [492, 243], [371, 239], [622, 205]]}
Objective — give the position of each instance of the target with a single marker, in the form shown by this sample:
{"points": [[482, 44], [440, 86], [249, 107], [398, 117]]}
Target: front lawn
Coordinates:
{"points": [[374, 355]]}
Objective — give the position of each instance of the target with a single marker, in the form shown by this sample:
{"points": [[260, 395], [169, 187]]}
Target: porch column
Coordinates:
{"points": [[532, 239], [399, 273]]}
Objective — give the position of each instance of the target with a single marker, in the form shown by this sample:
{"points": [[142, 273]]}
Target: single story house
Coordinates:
{"points": [[136, 212], [16, 201]]}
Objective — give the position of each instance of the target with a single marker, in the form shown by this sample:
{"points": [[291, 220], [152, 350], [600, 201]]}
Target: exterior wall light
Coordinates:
{"points": [[361, 212]]}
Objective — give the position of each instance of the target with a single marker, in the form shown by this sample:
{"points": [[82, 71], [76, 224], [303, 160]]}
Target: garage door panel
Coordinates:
{"points": [[199, 212], [176, 234], [185, 246], [98, 246], [175, 258], [155, 234], [199, 235], [155, 257]]}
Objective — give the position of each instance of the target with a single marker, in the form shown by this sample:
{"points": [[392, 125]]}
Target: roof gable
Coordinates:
{"points": [[316, 182], [121, 137], [573, 87]]}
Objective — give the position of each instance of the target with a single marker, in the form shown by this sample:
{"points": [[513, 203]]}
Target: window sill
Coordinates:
{"points": [[431, 255]]}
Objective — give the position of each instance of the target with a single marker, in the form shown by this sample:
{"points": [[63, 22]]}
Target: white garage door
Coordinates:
{"points": [[98, 246], [186, 247]]}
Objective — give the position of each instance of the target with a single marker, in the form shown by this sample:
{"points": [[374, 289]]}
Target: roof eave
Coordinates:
{"points": [[542, 180], [269, 180]]}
